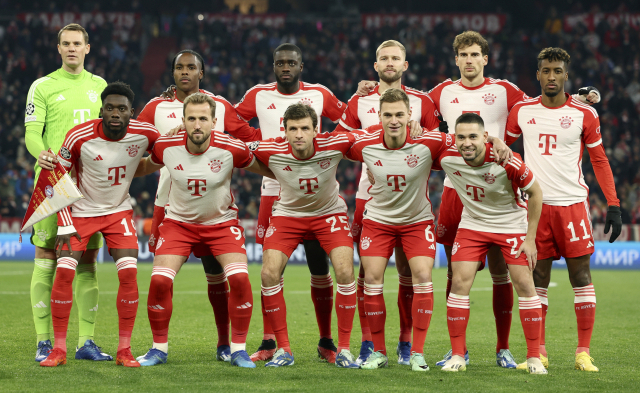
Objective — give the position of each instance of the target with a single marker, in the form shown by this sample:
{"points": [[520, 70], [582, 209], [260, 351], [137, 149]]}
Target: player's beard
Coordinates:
{"points": [[293, 82], [198, 143], [551, 94], [117, 134], [389, 79]]}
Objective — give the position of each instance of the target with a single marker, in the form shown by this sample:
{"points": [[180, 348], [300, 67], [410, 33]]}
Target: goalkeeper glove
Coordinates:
{"points": [[614, 217], [584, 91], [443, 127]]}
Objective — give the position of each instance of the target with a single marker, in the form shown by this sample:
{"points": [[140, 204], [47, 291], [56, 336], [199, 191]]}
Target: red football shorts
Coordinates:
{"points": [[285, 233], [180, 238], [378, 240], [356, 227], [158, 216], [118, 229], [472, 246], [264, 214], [449, 218], [565, 231]]}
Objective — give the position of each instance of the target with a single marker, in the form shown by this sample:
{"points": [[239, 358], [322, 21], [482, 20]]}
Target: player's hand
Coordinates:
{"points": [[170, 93], [47, 160], [614, 218], [589, 95], [372, 180], [503, 154], [415, 128], [529, 249], [366, 87], [443, 127], [175, 130], [61, 240]]}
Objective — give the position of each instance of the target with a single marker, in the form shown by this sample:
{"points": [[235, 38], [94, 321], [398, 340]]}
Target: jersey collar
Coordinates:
{"points": [[100, 132], [557, 107], [486, 80], [488, 156], [407, 140], [315, 150], [186, 136]]}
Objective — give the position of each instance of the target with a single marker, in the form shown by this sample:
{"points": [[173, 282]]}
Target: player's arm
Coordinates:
{"points": [[146, 167], [534, 192], [261, 169], [588, 95], [500, 149], [66, 230], [34, 120], [238, 128], [603, 173], [366, 87]]}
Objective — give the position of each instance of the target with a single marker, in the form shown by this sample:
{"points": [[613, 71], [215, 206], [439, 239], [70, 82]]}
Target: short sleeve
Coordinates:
{"points": [[349, 120], [519, 173], [355, 151], [430, 114], [513, 130], [436, 92], [332, 107], [242, 156], [237, 127], [157, 154], [591, 136], [36, 109], [246, 108], [514, 94], [148, 113], [152, 136], [69, 152]]}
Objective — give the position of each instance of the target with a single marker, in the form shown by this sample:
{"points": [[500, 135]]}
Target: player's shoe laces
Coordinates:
{"points": [[223, 353], [418, 363], [326, 350], [505, 359], [534, 366], [125, 358], [454, 364], [241, 359], [584, 362], [346, 360], [366, 349], [152, 358], [280, 359], [404, 352], [265, 351], [448, 356], [90, 351], [56, 357], [44, 349], [543, 359], [374, 361]]}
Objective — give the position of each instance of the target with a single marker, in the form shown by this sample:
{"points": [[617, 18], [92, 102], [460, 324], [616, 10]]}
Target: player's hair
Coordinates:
{"points": [[389, 43], [118, 88], [290, 47], [299, 112], [74, 27], [554, 54], [192, 52], [394, 95], [470, 118], [199, 98], [469, 38]]}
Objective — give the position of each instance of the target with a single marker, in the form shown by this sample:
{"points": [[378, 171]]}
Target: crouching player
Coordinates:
{"points": [[105, 154], [493, 214], [202, 213], [305, 165]]}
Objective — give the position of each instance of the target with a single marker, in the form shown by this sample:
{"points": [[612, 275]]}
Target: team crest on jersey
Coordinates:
{"points": [[324, 164], [454, 250], [365, 243], [253, 146], [355, 229], [160, 241], [65, 153], [215, 166], [306, 101], [489, 99], [441, 230], [30, 109], [152, 240], [598, 130], [133, 150], [260, 231], [412, 160], [489, 178], [565, 122], [48, 191], [270, 231], [41, 234], [93, 96]]}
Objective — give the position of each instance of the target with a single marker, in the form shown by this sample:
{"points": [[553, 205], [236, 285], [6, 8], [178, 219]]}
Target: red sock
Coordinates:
{"points": [[322, 297], [422, 310], [405, 302], [448, 290], [531, 318], [376, 314], [345, 310], [544, 301], [364, 325], [240, 300], [266, 325], [457, 320], [502, 306], [159, 302], [62, 300], [276, 311], [218, 291], [585, 305], [127, 299]]}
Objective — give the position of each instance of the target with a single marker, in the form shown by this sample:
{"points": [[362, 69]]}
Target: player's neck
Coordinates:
{"points": [[475, 82], [292, 88], [383, 86], [394, 142], [73, 71], [198, 149], [478, 160], [182, 95], [556, 101], [306, 154]]}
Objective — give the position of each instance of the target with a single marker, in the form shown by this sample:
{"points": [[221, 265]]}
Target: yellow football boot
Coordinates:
{"points": [[584, 362]]}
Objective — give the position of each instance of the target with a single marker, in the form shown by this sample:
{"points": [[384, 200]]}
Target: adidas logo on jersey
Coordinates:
{"points": [[287, 168], [455, 101], [60, 98], [99, 158], [432, 247], [532, 121], [372, 110], [272, 106], [457, 173], [179, 168], [378, 163], [590, 244], [172, 116]]}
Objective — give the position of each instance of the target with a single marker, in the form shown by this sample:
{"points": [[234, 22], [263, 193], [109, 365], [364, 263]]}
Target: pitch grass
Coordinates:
{"points": [[192, 365]]}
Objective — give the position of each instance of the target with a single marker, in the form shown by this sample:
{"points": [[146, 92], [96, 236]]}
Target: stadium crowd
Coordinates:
{"points": [[338, 54]]}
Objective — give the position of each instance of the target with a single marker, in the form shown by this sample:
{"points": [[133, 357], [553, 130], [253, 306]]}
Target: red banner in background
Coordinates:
{"points": [[482, 23], [591, 21], [269, 20]]}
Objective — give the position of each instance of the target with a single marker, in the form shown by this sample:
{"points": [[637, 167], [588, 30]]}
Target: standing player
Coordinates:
{"points": [[105, 154], [187, 69], [200, 163], [363, 112], [56, 103], [305, 165], [494, 214], [556, 128], [268, 103]]}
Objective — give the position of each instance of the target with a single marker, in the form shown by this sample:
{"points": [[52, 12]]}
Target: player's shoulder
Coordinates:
{"points": [[502, 82], [418, 93], [515, 162], [165, 141], [272, 146], [524, 103], [82, 131], [440, 86], [327, 139], [430, 135], [216, 98], [42, 83], [225, 140], [97, 79], [261, 87], [370, 135], [141, 127], [582, 107], [315, 86]]}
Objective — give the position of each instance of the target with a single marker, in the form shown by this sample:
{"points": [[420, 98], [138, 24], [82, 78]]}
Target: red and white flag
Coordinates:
{"points": [[54, 191]]}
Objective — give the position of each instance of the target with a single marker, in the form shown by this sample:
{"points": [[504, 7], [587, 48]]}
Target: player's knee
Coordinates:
{"points": [[269, 275], [581, 277]]}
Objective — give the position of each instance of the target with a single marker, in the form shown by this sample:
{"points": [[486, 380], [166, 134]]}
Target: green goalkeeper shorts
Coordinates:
{"points": [[44, 234]]}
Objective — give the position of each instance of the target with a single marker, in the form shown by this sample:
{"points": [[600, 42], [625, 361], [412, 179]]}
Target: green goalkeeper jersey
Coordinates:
{"points": [[58, 102]]}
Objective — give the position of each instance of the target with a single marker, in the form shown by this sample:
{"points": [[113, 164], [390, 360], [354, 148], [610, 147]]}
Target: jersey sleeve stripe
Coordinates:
{"points": [[342, 123], [34, 86], [525, 188], [76, 137], [582, 105], [512, 134], [594, 144]]}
